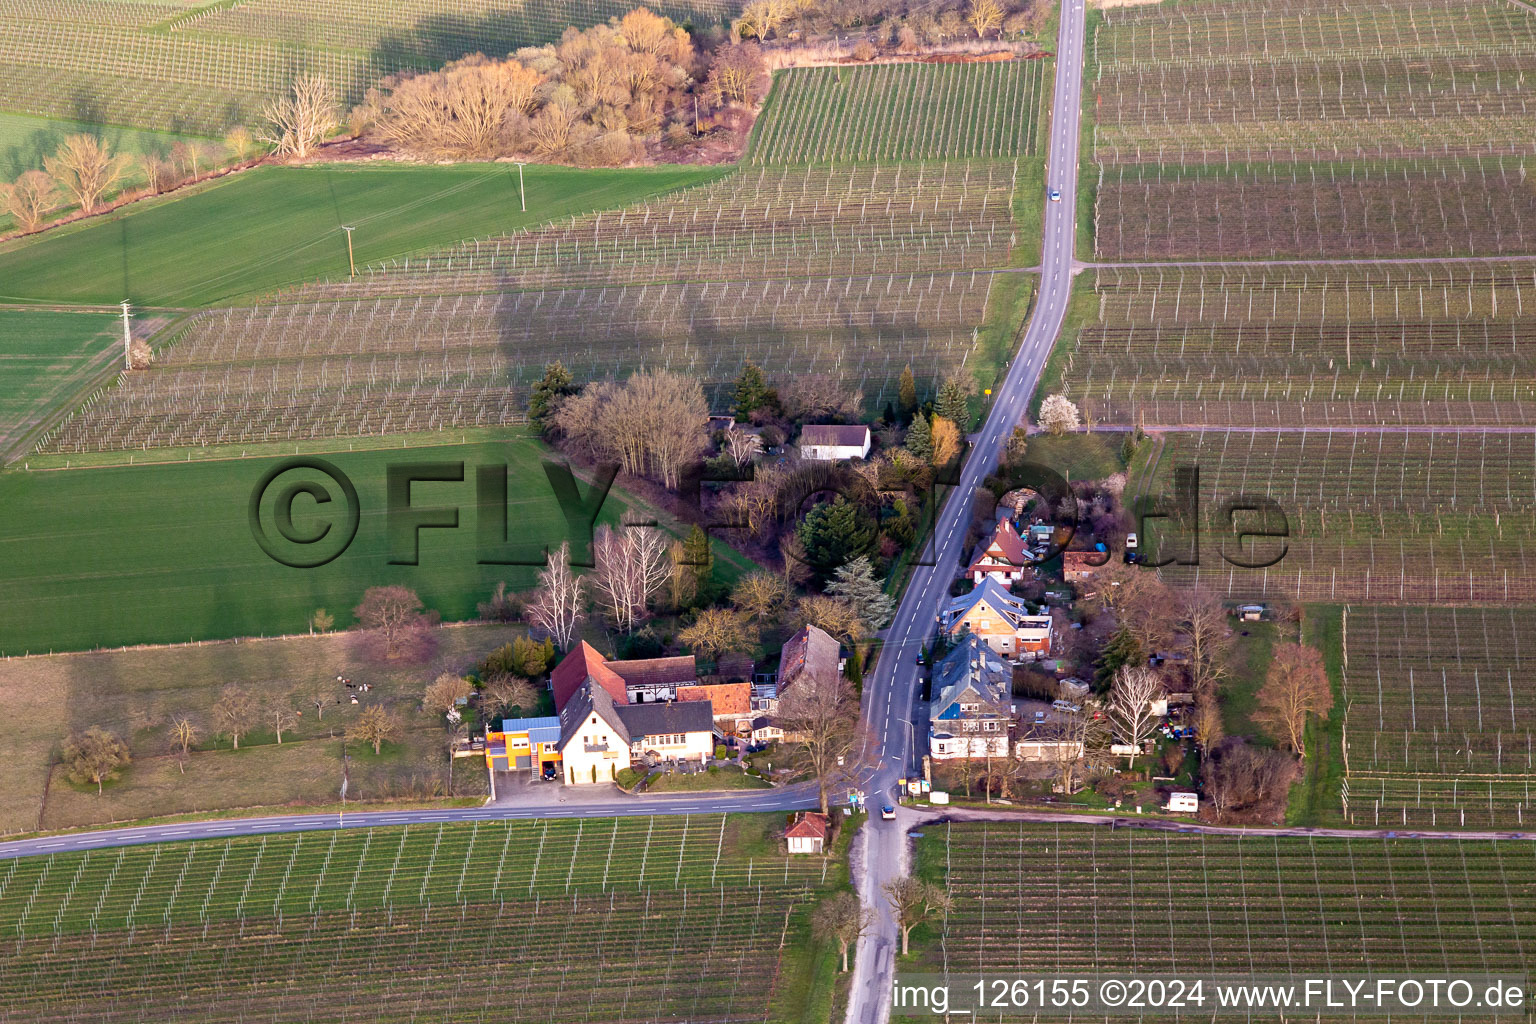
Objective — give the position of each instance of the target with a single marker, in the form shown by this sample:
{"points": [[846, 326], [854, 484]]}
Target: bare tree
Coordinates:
{"points": [[322, 621], [444, 693], [183, 735], [377, 726], [235, 713], [822, 718], [1058, 414], [841, 919], [1243, 780], [946, 441], [985, 16], [1207, 718], [561, 599], [1205, 637], [742, 447], [30, 199], [321, 695], [761, 595], [632, 565], [94, 755], [240, 143], [1081, 740], [1295, 686], [471, 108], [832, 614], [913, 899], [84, 169], [1130, 704], [295, 124], [394, 613], [281, 715], [719, 631], [504, 692]]}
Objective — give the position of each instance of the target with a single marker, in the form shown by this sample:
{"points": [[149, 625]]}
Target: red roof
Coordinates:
{"points": [[809, 825], [727, 698], [582, 663], [1007, 540], [680, 670]]}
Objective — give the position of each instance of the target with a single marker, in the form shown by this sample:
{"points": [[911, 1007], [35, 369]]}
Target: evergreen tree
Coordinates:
{"points": [[699, 558], [751, 390], [556, 384], [920, 437], [835, 534], [1122, 649], [953, 404], [855, 583], [906, 394]]}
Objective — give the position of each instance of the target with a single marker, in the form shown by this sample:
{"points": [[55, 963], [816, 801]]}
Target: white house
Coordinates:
{"points": [[973, 709], [999, 618], [1004, 556], [808, 834], [600, 737], [825, 442]]}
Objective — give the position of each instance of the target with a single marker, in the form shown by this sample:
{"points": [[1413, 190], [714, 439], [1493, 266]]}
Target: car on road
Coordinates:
{"points": [[888, 813], [1055, 195]]}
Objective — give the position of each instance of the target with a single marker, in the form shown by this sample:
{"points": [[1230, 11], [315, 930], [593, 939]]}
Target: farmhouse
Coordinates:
{"points": [[973, 709], [811, 654], [628, 682], [731, 702], [825, 442], [1000, 619], [808, 833], [599, 736], [1004, 558]]}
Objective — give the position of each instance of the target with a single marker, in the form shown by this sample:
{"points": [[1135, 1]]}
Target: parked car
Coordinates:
{"points": [[1065, 705], [549, 771]]}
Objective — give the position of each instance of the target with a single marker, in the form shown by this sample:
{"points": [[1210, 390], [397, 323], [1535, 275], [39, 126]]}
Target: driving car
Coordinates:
{"points": [[888, 813], [1055, 195]]}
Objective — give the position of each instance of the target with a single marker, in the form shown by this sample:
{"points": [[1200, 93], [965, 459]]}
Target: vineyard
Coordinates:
{"points": [[893, 112], [1319, 346], [1439, 725], [45, 358], [1399, 517], [703, 282], [1034, 898], [1285, 129], [630, 919], [204, 69]]}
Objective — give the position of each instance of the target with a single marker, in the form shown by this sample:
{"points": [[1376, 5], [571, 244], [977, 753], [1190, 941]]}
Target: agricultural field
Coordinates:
{"points": [[207, 247], [24, 141], [177, 537], [629, 919], [1380, 516], [46, 359], [1406, 345], [204, 67], [1033, 898], [701, 281], [897, 112], [1283, 130], [1440, 712], [141, 690]]}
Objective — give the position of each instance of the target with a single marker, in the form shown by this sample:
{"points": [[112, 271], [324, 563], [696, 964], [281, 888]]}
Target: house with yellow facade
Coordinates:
{"points": [[1003, 621]]}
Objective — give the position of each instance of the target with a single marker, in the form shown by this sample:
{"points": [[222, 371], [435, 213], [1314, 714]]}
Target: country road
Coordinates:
{"points": [[890, 690], [588, 805]]}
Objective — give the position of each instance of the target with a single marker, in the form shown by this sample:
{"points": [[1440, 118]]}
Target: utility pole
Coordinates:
{"points": [[522, 198], [348, 228], [127, 339]]}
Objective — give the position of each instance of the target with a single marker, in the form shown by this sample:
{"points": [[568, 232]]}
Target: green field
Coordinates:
{"points": [[45, 358], [889, 112], [24, 140], [276, 226], [619, 920], [165, 553]]}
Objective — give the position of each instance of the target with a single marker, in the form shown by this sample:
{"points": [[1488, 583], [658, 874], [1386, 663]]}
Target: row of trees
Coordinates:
{"points": [[596, 96], [902, 25]]}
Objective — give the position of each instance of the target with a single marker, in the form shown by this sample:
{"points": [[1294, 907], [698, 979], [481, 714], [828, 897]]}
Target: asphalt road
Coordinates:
{"points": [[890, 691], [610, 805]]}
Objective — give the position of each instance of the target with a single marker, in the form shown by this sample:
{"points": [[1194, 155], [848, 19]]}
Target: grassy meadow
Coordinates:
{"points": [[165, 553], [45, 358], [260, 230]]}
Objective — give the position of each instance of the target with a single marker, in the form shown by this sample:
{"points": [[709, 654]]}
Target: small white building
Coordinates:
{"points": [[1184, 803], [808, 834], [826, 442]]}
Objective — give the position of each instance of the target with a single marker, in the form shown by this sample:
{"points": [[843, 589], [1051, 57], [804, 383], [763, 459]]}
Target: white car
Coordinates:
{"points": [[888, 813], [1055, 194]]}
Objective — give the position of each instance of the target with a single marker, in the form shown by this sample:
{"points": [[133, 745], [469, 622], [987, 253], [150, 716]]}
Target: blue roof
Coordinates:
{"points": [[539, 730]]}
